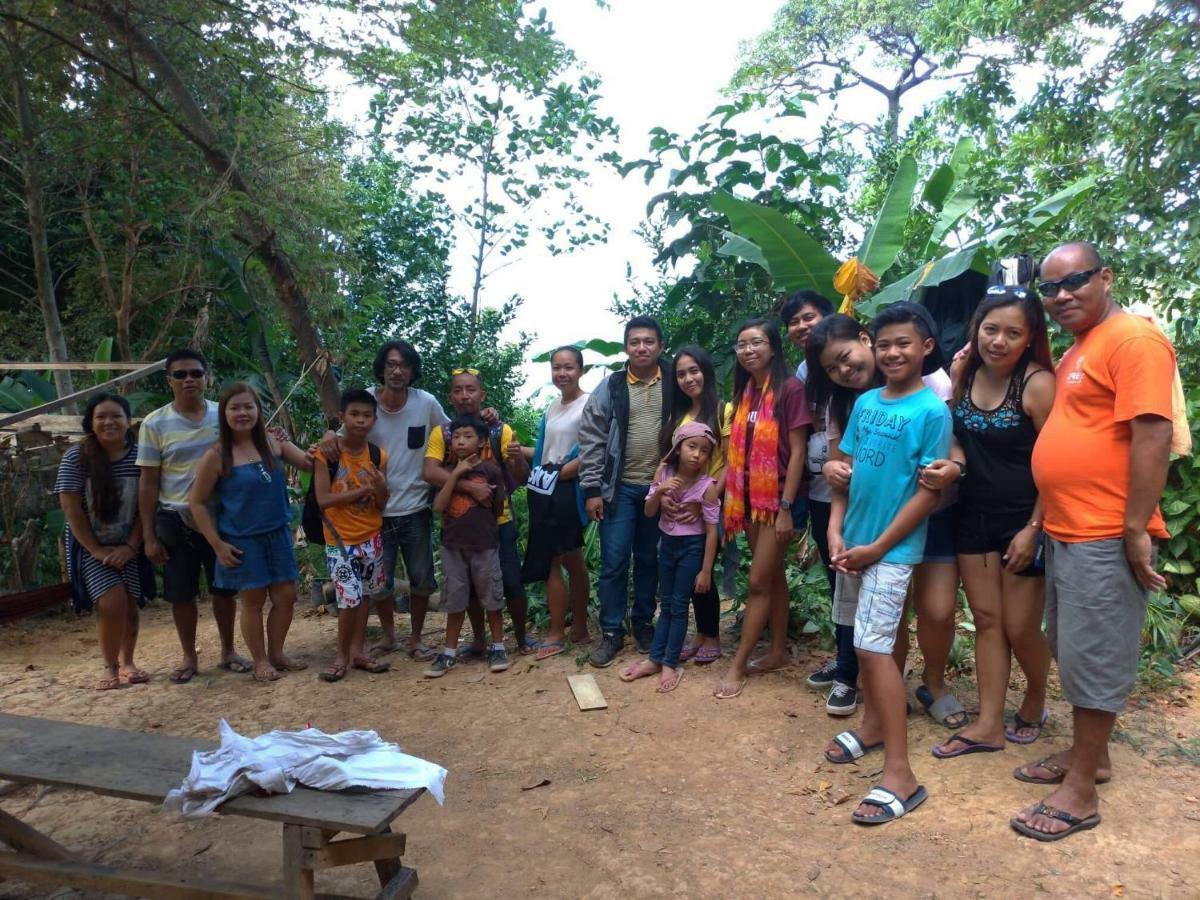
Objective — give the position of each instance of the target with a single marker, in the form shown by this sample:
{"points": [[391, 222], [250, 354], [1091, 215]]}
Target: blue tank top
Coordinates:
{"points": [[252, 499]]}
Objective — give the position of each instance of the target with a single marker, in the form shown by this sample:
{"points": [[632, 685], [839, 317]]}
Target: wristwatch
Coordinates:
{"points": [[962, 468], [785, 504]]}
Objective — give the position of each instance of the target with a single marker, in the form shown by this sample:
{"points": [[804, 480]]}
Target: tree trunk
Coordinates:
{"points": [[56, 342], [485, 222], [257, 234]]}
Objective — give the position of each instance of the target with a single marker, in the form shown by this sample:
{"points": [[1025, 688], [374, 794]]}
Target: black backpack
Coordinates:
{"points": [[312, 519]]}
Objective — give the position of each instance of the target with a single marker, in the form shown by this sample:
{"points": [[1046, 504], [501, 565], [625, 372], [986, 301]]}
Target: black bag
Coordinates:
{"points": [[312, 519]]}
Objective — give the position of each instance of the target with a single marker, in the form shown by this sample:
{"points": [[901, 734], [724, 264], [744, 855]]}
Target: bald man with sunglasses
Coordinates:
{"points": [[1100, 463]]}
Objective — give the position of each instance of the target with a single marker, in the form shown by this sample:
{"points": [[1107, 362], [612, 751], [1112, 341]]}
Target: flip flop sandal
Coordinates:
{"points": [[1074, 822], [854, 747], [943, 708], [422, 652], [1020, 724], [137, 676], [889, 801], [290, 666], [755, 667], [183, 674], [469, 654], [385, 648], [688, 652], [722, 693], [374, 666], [586, 640], [671, 685], [1044, 763], [267, 679], [239, 665], [708, 655], [547, 649], [333, 673], [110, 683], [968, 746], [531, 645]]}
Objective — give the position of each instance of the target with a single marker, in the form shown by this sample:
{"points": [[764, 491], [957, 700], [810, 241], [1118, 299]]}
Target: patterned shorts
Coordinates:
{"points": [[357, 572], [873, 603]]}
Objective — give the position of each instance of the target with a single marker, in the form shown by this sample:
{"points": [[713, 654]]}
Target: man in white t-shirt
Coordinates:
{"points": [[406, 416]]}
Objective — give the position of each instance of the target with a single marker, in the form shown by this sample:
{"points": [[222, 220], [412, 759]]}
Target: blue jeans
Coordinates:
{"points": [[679, 561], [847, 660], [626, 530]]}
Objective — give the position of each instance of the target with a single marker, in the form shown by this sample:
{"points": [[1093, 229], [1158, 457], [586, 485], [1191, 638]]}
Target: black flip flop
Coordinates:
{"points": [[969, 746], [1059, 773], [1020, 724], [1074, 823]]}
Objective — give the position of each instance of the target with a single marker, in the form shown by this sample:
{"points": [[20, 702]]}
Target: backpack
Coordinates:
{"points": [[494, 433], [312, 519]]}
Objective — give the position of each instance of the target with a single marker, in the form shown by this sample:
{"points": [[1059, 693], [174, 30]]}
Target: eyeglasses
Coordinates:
{"points": [[263, 475], [454, 372], [747, 346], [181, 374], [1072, 282], [1016, 291], [392, 365]]}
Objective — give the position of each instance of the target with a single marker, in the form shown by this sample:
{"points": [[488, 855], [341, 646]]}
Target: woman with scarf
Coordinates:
{"points": [[763, 479], [556, 516]]}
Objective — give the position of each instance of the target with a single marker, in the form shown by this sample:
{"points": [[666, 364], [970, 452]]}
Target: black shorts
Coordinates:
{"points": [[188, 554], [980, 531]]}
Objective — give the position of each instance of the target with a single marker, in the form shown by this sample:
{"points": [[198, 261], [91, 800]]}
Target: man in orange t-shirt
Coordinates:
{"points": [[1100, 464]]}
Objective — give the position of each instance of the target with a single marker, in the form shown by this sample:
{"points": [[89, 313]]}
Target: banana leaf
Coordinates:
{"points": [[933, 272], [736, 245], [882, 244]]}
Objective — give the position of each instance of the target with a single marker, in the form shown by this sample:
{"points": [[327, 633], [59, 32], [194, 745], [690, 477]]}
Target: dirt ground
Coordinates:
{"points": [[659, 795]]}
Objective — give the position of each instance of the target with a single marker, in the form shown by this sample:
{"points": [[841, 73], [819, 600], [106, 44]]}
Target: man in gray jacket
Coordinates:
{"points": [[618, 455]]}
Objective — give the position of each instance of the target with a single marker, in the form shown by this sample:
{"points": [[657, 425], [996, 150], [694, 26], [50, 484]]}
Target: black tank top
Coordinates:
{"points": [[999, 447]]}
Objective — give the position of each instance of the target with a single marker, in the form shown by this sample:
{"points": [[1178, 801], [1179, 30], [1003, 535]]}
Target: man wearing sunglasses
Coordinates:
{"points": [[1100, 463], [171, 442]]}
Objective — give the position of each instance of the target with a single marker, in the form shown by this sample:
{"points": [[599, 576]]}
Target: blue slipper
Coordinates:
{"points": [[1019, 724], [889, 801]]}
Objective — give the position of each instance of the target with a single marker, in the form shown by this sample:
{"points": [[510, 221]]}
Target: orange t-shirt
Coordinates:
{"points": [[1121, 369], [359, 521]]}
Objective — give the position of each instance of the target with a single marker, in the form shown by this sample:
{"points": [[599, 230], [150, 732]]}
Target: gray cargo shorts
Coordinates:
{"points": [[1095, 611]]}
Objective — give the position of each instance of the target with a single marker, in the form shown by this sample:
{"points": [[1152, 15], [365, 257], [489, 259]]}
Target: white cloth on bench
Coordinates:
{"points": [[279, 760]]}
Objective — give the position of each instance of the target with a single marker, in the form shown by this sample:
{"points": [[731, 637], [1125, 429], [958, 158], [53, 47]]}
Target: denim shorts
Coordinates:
{"points": [[939, 538], [266, 559], [873, 603], [411, 538]]}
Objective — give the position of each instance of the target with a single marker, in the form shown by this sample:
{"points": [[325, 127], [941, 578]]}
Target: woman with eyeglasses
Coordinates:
{"points": [[1003, 391], [97, 488], [248, 524], [763, 472]]}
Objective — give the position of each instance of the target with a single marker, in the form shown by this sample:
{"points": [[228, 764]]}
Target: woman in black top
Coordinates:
{"points": [[1003, 391]]}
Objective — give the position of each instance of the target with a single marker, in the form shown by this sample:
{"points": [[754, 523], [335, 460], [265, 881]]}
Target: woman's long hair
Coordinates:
{"points": [[778, 371], [258, 434], [1038, 350], [97, 466], [680, 404], [821, 389]]}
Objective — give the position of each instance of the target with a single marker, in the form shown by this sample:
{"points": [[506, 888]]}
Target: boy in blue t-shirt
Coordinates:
{"points": [[877, 535]]}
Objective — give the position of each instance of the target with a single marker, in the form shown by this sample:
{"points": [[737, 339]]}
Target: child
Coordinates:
{"points": [[470, 544], [877, 538], [685, 550], [352, 504], [242, 476]]}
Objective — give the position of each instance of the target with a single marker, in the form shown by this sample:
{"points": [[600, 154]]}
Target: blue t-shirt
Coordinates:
{"points": [[888, 441]]}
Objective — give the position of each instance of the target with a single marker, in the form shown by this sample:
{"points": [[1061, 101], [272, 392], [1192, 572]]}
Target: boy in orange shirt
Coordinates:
{"points": [[352, 504]]}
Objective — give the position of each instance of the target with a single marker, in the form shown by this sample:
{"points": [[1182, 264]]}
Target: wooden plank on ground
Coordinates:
{"points": [[93, 878], [587, 692], [145, 767]]}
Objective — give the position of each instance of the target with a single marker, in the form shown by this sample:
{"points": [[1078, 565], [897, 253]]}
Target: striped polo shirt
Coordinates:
{"points": [[645, 420], [174, 444]]}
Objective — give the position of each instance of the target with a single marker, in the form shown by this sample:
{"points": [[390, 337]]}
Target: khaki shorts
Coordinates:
{"points": [[464, 569]]}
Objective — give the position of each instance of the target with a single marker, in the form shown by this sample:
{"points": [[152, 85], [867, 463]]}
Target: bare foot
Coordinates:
{"points": [[387, 645], [111, 680], [637, 670], [972, 732], [580, 637], [901, 787]]}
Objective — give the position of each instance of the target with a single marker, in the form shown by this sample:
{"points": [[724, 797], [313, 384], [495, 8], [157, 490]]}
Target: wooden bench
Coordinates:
{"points": [[145, 767]]}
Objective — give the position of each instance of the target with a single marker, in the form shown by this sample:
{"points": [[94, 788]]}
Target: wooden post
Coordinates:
{"points": [[297, 880]]}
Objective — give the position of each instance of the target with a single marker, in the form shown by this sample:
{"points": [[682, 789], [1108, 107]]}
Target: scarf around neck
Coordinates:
{"points": [[752, 485]]}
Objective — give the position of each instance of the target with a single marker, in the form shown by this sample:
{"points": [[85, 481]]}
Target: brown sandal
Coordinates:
{"points": [[111, 682]]}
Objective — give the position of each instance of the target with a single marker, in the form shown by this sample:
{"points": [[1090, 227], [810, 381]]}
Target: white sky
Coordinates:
{"points": [[661, 62]]}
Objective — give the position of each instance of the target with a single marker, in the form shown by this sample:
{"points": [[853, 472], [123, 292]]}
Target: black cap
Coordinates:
{"points": [[907, 310]]}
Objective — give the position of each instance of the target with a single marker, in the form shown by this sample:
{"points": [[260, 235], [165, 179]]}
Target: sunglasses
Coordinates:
{"points": [[454, 372], [1072, 282], [263, 475], [181, 374]]}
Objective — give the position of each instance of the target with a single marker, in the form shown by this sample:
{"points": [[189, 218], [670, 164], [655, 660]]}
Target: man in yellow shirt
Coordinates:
{"points": [[466, 396]]}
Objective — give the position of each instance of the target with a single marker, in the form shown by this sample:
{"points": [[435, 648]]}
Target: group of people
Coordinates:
{"points": [[1035, 484]]}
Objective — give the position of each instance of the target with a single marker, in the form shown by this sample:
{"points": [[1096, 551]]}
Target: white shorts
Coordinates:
{"points": [[873, 603], [358, 572]]}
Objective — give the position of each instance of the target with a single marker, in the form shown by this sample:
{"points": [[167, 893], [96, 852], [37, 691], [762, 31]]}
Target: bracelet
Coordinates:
{"points": [[1034, 524]]}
